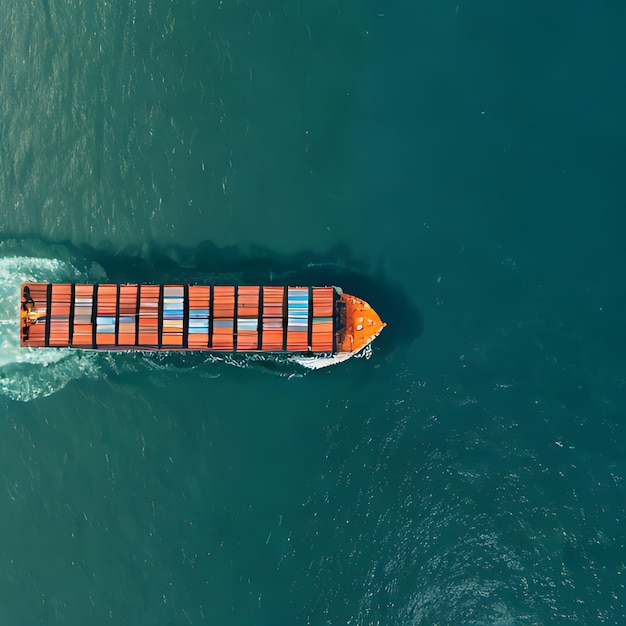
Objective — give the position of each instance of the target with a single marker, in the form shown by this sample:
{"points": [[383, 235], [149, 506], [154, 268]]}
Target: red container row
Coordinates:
{"points": [[123, 321]]}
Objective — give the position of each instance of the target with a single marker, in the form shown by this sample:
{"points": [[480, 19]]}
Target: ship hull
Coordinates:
{"points": [[319, 323]]}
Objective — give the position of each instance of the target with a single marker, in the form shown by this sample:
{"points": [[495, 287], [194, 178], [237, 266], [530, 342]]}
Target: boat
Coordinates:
{"points": [[318, 325]]}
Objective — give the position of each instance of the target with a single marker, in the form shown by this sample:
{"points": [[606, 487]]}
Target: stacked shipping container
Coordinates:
{"points": [[175, 317]]}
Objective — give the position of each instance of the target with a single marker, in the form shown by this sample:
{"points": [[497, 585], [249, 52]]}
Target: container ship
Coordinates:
{"points": [[317, 325]]}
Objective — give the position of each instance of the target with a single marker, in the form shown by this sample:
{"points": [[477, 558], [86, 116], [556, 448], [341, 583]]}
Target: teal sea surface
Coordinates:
{"points": [[460, 166]]}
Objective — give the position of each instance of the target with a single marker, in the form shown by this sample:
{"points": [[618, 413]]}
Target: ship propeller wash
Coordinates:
{"points": [[319, 326]]}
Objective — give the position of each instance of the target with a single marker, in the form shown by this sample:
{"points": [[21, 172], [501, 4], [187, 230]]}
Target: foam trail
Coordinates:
{"points": [[25, 373]]}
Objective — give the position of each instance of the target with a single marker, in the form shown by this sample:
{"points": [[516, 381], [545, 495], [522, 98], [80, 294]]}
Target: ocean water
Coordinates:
{"points": [[460, 166]]}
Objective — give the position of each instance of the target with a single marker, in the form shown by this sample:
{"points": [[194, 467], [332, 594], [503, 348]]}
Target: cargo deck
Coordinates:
{"points": [[216, 318]]}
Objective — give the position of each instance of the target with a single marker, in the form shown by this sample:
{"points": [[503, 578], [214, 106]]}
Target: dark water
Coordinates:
{"points": [[460, 164]]}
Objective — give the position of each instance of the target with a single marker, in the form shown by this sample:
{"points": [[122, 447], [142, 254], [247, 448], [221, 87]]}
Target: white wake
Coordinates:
{"points": [[29, 373]]}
